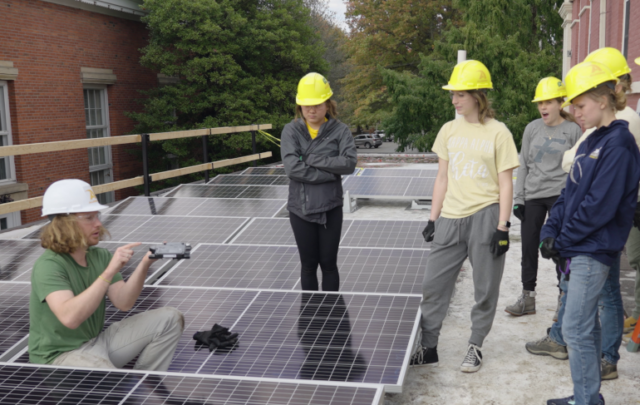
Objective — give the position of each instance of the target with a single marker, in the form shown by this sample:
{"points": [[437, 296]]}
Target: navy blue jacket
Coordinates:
{"points": [[594, 213]]}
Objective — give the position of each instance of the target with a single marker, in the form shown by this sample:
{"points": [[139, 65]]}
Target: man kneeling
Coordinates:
{"points": [[68, 287]]}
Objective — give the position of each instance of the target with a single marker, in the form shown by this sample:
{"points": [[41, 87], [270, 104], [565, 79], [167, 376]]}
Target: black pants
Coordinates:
{"points": [[318, 244], [535, 213]]}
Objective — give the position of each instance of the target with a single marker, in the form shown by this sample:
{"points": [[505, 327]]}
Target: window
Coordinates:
{"points": [[625, 31], [97, 120], [9, 220], [7, 172]]}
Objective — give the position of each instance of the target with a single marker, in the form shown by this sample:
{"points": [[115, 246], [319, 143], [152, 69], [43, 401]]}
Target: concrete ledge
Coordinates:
{"points": [[17, 191], [97, 76], [7, 71]]}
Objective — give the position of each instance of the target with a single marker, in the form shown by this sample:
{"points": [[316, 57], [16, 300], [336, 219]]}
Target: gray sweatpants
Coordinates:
{"points": [[454, 241], [153, 335]]}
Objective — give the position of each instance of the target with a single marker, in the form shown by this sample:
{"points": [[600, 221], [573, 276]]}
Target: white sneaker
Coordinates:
{"points": [[472, 361]]}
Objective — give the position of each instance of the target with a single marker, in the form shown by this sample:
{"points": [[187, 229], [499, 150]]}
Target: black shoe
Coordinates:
{"points": [[569, 401], [425, 357]]}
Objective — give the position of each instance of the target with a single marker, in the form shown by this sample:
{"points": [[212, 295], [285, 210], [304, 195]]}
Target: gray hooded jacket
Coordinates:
{"points": [[314, 167]]}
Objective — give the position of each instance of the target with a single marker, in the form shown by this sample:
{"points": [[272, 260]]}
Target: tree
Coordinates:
{"points": [[239, 62], [520, 42], [391, 34]]}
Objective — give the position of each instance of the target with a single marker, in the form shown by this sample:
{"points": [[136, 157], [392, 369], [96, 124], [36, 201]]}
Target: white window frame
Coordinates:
{"points": [[11, 166], [13, 219], [107, 128]]}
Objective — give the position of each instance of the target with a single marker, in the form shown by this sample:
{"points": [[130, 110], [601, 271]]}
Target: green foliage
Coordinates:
{"points": [[520, 42], [239, 62]]}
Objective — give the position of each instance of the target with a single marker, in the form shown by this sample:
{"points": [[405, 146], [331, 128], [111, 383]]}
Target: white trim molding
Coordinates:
{"points": [[602, 31], [635, 88], [97, 76], [7, 71]]}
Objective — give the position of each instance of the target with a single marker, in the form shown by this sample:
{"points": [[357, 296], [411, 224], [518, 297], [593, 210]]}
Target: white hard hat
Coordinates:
{"points": [[70, 196]]}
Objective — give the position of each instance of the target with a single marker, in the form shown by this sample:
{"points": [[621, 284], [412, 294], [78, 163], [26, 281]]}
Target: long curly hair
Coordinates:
{"points": [[63, 234]]}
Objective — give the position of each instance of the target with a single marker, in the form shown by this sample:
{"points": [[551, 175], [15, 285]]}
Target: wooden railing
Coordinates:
{"points": [[144, 139]]}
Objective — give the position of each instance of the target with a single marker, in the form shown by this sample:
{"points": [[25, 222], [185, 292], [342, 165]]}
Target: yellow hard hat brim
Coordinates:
{"points": [[311, 101], [566, 104], [451, 87]]}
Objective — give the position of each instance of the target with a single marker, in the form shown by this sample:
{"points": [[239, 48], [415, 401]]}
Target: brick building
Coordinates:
{"points": [[68, 70], [593, 24]]}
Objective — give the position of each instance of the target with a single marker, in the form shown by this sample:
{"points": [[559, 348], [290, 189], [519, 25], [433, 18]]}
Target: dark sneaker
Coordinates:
{"points": [[547, 347], [609, 370], [525, 305], [472, 361], [425, 357], [569, 401]]}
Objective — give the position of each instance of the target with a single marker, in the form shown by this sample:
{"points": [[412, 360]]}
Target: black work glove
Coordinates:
{"points": [[428, 231], [217, 337], [500, 242], [518, 211], [636, 217], [547, 250]]}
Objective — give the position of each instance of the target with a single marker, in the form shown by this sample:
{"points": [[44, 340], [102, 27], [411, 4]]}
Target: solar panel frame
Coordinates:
{"points": [[229, 191], [421, 188], [388, 172], [398, 188], [265, 171], [257, 180], [248, 267]]}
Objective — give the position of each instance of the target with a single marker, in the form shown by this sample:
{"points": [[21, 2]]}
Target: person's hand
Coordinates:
{"points": [[547, 249], [121, 256], [500, 242], [428, 231], [636, 217], [148, 261], [518, 211]]}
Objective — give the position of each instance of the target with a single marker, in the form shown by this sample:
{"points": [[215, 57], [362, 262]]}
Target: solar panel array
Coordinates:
{"points": [[295, 346], [410, 188], [428, 173]]}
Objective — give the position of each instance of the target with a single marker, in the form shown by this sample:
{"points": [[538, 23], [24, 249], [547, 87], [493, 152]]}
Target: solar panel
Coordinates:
{"points": [[213, 207], [278, 171], [156, 206], [275, 192], [420, 188], [27, 384], [206, 191], [399, 172], [385, 234], [375, 186], [51, 386], [271, 231], [17, 258], [158, 229], [259, 180], [317, 336], [14, 314], [395, 271]]}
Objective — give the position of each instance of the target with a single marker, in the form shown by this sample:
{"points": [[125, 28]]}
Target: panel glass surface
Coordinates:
{"points": [[157, 390], [17, 258], [272, 231], [273, 192], [278, 171], [206, 191], [396, 271], [386, 234], [421, 188], [258, 180], [371, 186], [192, 230], [399, 172], [14, 314], [51, 386], [334, 337], [156, 206], [237, 207]]}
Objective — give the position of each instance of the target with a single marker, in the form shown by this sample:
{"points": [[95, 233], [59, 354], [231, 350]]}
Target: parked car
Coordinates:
{"points": [[367, 140]]}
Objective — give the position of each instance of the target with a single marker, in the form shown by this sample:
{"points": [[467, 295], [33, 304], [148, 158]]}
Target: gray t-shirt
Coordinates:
{"points": [[540, 174]]}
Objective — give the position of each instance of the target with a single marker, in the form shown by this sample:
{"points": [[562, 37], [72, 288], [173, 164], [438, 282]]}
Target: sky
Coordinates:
{"points": [[339, 7]]}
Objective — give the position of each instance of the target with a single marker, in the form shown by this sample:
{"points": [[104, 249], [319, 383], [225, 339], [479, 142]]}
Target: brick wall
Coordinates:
{"points": [[48, 44]]}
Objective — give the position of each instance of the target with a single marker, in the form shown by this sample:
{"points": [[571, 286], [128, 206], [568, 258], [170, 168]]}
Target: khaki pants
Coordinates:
{"points": [[153, 335]]}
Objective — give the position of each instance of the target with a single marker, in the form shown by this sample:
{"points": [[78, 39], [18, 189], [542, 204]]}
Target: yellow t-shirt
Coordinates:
{"points": [[476, 154], [313, 132]]}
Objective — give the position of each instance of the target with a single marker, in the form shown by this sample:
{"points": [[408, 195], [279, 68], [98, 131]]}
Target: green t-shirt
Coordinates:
{"points": [[48, 337]]}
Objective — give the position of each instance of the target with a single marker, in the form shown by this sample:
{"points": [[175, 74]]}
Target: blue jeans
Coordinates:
{"points": [[611, 315], [581, 327]]}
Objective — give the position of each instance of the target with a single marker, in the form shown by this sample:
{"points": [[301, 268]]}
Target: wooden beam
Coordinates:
{"points": [[180, 172], [118, 185], [20, 205], [245, 128], [30, 148], [163, 136]]}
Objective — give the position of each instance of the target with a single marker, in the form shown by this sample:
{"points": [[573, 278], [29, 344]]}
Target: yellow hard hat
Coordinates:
{"points": [[313, 89], [637, 61], [611, 58], [469, 75], [549, 88], [586, 76]]}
